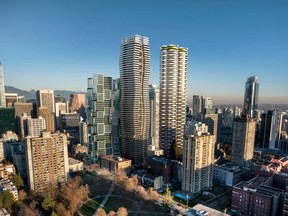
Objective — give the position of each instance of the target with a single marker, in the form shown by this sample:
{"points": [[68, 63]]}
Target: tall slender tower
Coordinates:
{"points": [[134, 97], [173, 96], [251, 96], [2, 88], [99, 114]]}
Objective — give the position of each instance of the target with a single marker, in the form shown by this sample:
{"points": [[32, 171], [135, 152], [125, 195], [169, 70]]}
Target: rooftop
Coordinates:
{"points": [[199, 208], [114, 158], [73, 161]]}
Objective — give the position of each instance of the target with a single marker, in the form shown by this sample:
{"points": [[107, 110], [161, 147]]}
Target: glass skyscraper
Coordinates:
{"points": [[134, 97], [251, 96]]}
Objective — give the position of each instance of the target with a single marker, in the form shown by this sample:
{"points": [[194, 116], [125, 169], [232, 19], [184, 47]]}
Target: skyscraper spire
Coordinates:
{"points": [[2, 88]]}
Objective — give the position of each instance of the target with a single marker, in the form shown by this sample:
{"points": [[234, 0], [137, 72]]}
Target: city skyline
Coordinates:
{"points": [[227, 43]]}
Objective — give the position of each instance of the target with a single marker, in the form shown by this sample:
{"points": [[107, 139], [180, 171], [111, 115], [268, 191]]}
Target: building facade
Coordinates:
{"points": [[173, 95], [49, 118], [197, 105], [198, 159], [99, 114], [45, 98], [47, 160], [77, 103], [134, 97], [251, 96], [243, 141], [154, 93]]}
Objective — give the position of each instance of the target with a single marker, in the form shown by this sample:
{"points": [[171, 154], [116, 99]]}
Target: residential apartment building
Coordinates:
{"points": [[134, 97], [198, 159], [99, 113], [173, 95], [243, 141], [47, 160]]}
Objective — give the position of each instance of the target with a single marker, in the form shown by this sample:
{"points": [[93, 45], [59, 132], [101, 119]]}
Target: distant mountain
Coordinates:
{"points": [[32, 94]]}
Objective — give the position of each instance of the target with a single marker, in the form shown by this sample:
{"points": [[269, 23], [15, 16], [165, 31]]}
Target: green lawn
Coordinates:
{"points": [[90, 207], [113, 203]]}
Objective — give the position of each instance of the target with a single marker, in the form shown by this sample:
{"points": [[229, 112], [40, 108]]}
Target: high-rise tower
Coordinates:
{"points": [[99, 114], [173, 96], [134, 97], [45, 98], [2, 88], [243, 141], [251, 96]]}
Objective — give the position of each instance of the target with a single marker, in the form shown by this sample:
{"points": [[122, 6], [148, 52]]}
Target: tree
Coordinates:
{"points": [[153, 194], [22, 195], [168, 198], [101, 212], [17, 180], [112, 213], [6, 200], [48, 203], [61, 210], [122, 212], [26, 210]]}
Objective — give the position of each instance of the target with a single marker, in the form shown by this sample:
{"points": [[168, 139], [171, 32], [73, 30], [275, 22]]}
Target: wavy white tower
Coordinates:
{"points": [[134, 97], [173, 95]]}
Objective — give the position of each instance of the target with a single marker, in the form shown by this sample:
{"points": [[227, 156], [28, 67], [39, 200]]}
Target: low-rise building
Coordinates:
{"points": [[170, 169], [4, 212], [152, 151], [7, 171], [148, 180], [75, 165], [202, 210], [6, 184], [257, 197], [113, 163], [227, 174]]}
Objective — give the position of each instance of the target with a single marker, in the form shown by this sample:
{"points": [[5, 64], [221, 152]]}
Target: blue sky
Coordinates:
{"points": [[59, 44]]}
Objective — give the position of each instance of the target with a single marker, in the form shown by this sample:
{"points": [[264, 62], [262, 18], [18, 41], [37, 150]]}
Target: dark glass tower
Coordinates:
{"points": [[251, 96]]}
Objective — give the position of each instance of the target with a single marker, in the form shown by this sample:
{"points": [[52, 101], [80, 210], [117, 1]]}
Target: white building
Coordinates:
{"points": [[173, 95], [33, 127], [198, 158], [134, 97], [227, 174], [75, 165], [6, 184]]}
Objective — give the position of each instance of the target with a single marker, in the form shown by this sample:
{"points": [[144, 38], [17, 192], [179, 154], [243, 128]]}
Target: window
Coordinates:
{"points": [[107, 129], [100, 129], [107, 94], [106, 111], [100, 97]]}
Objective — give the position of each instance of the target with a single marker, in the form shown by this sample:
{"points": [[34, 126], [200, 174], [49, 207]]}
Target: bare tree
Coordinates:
{"points": [[122, 212], [22, 195], [101, 212], [26, 210]]}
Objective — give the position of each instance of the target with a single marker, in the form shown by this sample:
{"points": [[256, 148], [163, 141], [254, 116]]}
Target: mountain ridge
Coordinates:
{"points": [[29, 95]]}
